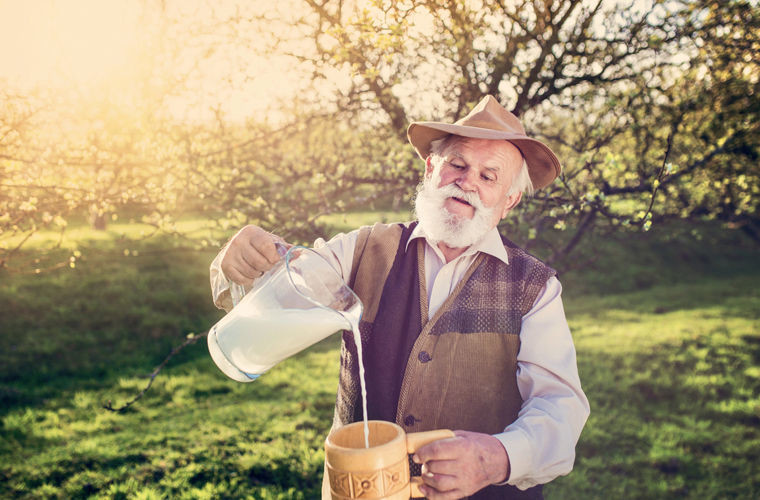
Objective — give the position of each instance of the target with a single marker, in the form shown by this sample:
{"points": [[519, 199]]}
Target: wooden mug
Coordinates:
{"points": [[380, 471]]}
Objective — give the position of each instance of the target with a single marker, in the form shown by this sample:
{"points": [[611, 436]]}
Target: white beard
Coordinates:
{"points": [[440, 225]]}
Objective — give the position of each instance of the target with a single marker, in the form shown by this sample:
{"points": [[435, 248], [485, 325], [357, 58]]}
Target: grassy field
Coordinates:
{"points": [[666, 324]]}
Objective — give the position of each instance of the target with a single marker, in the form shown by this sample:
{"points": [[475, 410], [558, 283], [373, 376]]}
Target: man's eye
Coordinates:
{"points": [[488, 178], [456, 166]]}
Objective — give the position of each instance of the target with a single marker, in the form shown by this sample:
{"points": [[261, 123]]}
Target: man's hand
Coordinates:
{"points": [[250, 253], [460, 466]]}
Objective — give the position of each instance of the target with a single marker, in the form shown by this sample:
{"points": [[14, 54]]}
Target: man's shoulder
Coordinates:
{"points": [[382, 236], [387, 229], [521, 258], [399, 225]]}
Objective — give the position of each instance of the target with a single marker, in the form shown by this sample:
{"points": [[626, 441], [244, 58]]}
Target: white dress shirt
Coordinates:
{"points": [[541, 442]]}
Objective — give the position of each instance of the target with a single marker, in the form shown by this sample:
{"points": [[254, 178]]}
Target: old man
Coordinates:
{"points": [[461, 328]]}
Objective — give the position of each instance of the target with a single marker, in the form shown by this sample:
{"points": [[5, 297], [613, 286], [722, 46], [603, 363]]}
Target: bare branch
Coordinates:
{"points": [[191, 339]]}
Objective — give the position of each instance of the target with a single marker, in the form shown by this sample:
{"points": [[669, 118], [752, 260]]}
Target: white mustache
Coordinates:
{"points": [[454, 191]]}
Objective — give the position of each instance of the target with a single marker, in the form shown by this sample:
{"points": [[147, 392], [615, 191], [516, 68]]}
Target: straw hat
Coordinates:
{"points": [[489, 120]]}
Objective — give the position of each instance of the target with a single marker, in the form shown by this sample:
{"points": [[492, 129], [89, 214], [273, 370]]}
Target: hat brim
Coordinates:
{"points": [[543, 164]]}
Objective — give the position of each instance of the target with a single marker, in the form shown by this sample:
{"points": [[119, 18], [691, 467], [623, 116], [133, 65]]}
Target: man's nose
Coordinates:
{"points": [[467, 180]]}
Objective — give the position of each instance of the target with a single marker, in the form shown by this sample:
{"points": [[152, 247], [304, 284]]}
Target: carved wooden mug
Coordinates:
{"points": [[380, 471]]}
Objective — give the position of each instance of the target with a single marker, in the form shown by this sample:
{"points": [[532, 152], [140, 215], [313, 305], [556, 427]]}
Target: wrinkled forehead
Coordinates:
{"points": [[488, 153]]}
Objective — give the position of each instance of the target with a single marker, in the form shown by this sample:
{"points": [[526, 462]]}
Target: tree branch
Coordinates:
{"points": [[191, 339]]}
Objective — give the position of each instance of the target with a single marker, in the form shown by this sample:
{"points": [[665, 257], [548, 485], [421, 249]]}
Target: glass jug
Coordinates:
{"points": [[297, 303]]}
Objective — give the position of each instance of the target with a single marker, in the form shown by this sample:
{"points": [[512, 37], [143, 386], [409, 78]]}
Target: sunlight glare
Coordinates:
{"points": [[47, 43]]}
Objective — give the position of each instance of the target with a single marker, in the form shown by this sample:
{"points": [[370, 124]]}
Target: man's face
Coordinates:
{"points": [[480, 166], [464, 194]]}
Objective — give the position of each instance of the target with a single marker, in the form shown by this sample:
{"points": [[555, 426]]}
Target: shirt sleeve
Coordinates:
{"points": [[222, 288], [541, 442], [339, 251]]}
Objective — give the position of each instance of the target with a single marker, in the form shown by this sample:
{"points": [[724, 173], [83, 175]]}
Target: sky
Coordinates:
{"points": [[43, 40], [95, 46]]}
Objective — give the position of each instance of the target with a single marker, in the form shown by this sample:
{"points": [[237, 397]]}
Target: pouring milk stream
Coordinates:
{"points": [[294, 305]]}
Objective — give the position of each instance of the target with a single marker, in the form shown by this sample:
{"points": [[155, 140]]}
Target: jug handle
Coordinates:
{"points": [[282, 248], [416, 440]]}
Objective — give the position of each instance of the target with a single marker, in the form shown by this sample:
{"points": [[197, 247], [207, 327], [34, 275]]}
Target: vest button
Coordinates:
{"points": [[409, 420], [424, 357]]}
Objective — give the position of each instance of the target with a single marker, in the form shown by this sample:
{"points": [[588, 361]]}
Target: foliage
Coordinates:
{"points": [[678, 141], [95, 150], [667, 350], [652, 108], [286, 179]]}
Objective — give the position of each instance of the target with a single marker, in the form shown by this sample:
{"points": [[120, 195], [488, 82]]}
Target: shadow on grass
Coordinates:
{"points": [[52, 375]]}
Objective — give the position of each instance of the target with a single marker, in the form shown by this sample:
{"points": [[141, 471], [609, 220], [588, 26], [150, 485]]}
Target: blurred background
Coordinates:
{"points": [[136, 137]]}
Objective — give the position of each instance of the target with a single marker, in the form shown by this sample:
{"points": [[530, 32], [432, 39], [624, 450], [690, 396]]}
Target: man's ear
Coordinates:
{"points": [[512, 201], [428, 167]]}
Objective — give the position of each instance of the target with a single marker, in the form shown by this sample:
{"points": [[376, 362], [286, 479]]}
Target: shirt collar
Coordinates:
{"points": [[490, 244]]}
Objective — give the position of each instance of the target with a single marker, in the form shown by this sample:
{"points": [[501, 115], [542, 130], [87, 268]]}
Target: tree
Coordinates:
{"points": [[653, 111], [603, 82], [97, 150]]}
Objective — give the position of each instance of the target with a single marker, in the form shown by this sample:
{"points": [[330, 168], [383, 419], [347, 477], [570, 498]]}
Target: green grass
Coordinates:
{"points": [[348, 221], [194, 435], [672, 377], [667, 331]]}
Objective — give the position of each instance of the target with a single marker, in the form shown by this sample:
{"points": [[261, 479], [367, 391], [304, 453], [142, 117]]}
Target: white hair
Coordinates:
{"points": [[521, 182]]}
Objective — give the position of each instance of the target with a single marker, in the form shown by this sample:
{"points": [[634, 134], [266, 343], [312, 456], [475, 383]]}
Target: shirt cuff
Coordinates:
{"points": [[518, 448], [225, 293]]}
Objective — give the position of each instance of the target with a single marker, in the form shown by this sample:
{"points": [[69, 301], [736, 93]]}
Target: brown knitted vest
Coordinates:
{"points": [[457, 370]]}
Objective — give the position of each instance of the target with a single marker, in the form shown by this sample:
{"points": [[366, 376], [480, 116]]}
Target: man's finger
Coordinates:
{"points": [[236, 276], [244, 252], [446, 467], [243, 268], [254, 259], [265, 247], [440, 482], [444, 449]]}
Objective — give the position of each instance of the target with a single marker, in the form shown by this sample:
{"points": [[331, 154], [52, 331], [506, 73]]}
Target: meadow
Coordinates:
{"points": [[666, 325]]}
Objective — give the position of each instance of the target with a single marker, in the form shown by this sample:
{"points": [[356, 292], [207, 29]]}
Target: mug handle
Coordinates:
{"points": [[416, 440]]}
